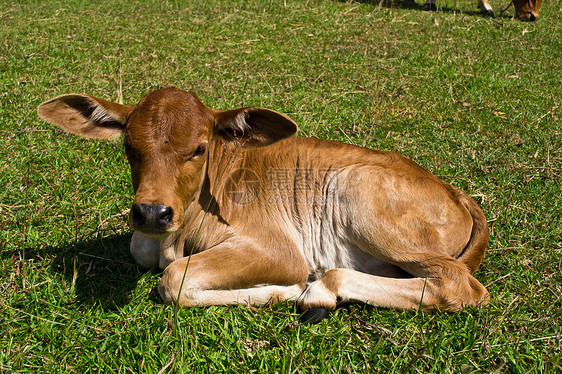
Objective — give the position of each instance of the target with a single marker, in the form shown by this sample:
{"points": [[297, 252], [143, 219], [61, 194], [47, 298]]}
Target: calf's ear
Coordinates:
{"points": [[86, 116], [253, 127]]}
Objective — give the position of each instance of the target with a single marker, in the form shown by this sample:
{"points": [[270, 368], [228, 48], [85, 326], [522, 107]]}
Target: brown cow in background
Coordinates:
{"points": [[525, 10]]}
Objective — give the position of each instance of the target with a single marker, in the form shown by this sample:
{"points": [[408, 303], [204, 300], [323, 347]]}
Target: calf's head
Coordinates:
{"points": [[167, 136], [527, 10]]}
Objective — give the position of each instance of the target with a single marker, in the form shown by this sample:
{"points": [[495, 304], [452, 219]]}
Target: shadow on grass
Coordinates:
{"points": [[98, 267]]}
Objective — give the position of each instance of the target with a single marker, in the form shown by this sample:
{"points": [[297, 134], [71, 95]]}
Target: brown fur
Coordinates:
{"points": [[527, 10], [251, 213]]}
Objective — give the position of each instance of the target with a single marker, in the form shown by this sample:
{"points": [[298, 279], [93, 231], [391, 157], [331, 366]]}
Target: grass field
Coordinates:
{"points": [[475, 100]]}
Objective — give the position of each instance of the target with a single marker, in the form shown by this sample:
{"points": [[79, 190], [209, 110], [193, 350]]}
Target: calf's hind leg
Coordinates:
{"points": [[440, 282]]}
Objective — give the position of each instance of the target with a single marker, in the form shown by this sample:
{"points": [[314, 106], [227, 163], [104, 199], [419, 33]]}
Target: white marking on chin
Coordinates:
{"points": [[149, 236], [146, 252]]}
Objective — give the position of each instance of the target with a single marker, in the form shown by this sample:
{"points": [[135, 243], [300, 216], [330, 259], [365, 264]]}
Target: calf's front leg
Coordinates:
{"points": [[227, 276]]}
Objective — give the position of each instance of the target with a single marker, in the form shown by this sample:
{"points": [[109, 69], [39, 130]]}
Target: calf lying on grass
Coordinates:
{"points": [[237, 210]]}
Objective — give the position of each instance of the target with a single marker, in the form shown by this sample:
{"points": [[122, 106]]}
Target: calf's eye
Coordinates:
{"points": [[199, 151]]}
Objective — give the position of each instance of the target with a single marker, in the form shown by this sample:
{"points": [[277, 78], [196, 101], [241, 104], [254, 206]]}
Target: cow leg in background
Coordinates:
{"points": [[483, 5], [486, 8], [429, 5], [146, 252], [226, 275]]}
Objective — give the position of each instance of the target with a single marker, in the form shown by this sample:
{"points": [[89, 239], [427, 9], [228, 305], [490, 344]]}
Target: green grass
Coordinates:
{"points": [[475, 100]]}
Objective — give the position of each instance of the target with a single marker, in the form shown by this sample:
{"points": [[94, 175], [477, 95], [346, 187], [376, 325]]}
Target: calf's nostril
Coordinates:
{"points": [[139, 214], [166, 215]]}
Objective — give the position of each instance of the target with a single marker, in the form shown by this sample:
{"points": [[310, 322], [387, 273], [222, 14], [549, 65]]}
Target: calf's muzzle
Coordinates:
{"points": [[151, 218]]}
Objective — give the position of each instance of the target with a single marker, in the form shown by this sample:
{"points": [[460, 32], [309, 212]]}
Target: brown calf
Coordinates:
{"points": [[237, 210]]}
